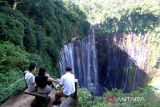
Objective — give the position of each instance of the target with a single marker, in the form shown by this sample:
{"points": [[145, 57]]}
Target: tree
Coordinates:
{"points": [[14, 3]]}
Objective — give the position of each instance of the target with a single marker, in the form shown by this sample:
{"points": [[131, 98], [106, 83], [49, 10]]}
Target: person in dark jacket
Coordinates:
{"points": [[43, 82]]}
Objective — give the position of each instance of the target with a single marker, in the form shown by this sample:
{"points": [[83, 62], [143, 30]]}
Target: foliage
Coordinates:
{"points": [[141, 18], [11, 30], [12, 62], [77, 17], [87, 100], [136, 17], [28, 39], [35, 31], [150, 95], [12, 57]]}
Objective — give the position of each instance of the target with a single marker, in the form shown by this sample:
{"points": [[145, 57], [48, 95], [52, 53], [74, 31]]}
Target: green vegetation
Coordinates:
{"points": [[149, 94], [138, 17], [35, 31], [86, 99], [141, 17], [126, 16]]}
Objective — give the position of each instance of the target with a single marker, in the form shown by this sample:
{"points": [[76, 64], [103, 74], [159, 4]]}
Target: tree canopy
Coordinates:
{"points": [[35, 31]]}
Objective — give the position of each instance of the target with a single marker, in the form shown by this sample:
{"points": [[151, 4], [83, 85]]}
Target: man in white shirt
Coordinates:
{"points": [[30, 78], [68, 83]]}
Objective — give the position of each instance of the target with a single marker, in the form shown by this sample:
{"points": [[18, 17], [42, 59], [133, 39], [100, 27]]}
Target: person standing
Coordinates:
{"points": [[68, 82], [30, 78]]}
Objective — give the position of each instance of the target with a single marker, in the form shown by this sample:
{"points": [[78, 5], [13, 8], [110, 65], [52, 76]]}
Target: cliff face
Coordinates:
{"points": [[123, 61], [109, 61]]}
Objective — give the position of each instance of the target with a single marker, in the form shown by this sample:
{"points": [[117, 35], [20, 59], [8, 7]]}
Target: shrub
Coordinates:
{"points": [[11, 30]]}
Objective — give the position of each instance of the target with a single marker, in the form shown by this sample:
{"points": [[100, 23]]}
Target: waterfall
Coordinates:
{"points": [[109, 61], [81, 56]]}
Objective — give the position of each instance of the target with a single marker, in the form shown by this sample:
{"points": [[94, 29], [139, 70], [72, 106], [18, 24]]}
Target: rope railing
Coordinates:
{"points": [[5, 93], [12, 85]]}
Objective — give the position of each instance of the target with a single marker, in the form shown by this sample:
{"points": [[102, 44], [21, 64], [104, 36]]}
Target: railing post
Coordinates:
{"points": [[24, 73], [76, 89]]}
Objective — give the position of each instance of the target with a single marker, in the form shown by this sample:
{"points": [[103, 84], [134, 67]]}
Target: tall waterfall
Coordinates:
{"points": [[81, 56], [109, 61]]}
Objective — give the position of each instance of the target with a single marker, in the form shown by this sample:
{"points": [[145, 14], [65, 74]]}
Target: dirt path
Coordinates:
{"points": [[24, 100]]}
